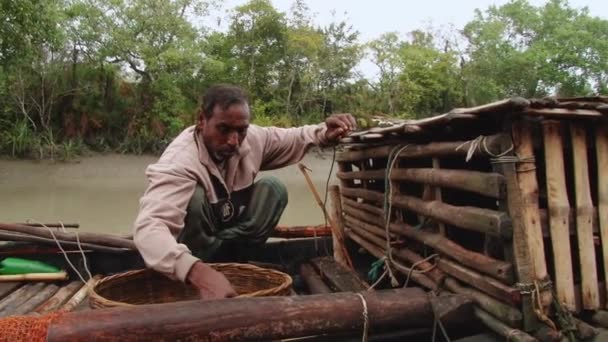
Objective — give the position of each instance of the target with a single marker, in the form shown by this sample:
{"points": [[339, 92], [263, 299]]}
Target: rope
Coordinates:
{"points": [[412, 268], [437, 321], [537, 306], [331, 169], [365, 318], [481, 142], [388, 206], [65, 254]]}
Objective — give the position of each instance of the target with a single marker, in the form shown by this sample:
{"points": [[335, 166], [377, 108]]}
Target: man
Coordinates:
{"points": [[202, 200]]}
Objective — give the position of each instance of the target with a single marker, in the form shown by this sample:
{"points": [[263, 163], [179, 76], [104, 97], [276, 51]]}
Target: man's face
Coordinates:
{"points": [[224, 132]]}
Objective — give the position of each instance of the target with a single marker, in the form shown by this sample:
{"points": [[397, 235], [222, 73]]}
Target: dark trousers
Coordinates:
{"points": [[211, 240]]}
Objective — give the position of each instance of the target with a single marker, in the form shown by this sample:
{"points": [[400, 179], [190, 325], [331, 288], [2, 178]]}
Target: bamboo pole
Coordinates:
{"points": [[559, 209], [59, 298], [584, 215], [601, 147], [470, 218], [85, 246], [497, 269], [434, 149], [335, 227], [511, 104], [50, 225], [504, 312], [80, 295], [486, 284], [85, 237], [35, 277], [500, 328], [482, 183], [339, 247]]}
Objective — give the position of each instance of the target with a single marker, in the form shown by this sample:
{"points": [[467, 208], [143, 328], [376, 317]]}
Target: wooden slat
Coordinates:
{"points": [[530, 216], [8, 288], [470, 218], [482, 183], [601, 147], [47, 292], [59, 298], [559, 209], [486, 284], [339, 277], [544, 221], [19, 297], [584, 215], [434, 149]]}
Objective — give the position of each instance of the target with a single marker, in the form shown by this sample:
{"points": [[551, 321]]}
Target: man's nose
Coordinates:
{"points": [[233, 139]]}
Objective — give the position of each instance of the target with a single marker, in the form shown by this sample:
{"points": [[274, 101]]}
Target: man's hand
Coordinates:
{"points": [[210, 283], [338, 126]]}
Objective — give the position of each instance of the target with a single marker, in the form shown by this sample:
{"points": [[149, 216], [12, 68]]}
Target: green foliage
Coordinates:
{"points": [[127, 75]]}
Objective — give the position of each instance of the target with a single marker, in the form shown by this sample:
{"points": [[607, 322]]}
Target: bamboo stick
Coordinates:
{"points": [[559, 208], [36, 300], [505, 313], [497, 269], [59, 298], [335, 228], [340, 251], [313, 281], [500, 328], [601, 147], [35, 277], [85, 237], [352, 221], [434, 149], [482, 183], [379, 253], [526, 175], [50, 225], [85, 246], [470, 218], [80, 295], [512, 104], [486, 284], [363, 206], [561, 113], [584, 214]]}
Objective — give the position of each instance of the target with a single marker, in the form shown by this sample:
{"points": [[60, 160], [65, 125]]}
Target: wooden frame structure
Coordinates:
{"points": [[510, 197]]}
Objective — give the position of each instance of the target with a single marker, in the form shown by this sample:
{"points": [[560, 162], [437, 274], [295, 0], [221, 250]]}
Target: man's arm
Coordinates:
{"points": [[286, 146], [162, 210]]}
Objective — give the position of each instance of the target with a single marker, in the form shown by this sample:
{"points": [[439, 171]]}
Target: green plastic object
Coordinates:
{"points": [[10, 266]]}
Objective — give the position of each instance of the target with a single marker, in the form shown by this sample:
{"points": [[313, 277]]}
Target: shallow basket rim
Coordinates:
{"points": [[97, 301]]}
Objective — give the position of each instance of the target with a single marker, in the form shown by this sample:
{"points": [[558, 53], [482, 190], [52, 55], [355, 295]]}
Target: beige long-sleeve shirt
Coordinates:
{"points": [[186, 163]]}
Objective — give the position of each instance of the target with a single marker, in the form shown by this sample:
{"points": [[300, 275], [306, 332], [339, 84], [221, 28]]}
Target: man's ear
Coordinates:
{"points": [[200, 123]]}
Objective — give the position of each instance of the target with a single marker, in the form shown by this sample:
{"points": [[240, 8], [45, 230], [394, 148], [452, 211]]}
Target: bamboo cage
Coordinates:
{"points": [[509, 196]]}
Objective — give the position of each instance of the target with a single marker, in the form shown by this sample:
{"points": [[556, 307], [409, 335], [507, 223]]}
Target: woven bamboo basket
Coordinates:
{"points": [[149, 287]]}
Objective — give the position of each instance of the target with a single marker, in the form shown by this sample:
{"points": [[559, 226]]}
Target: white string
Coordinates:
{"points": [[65, 254], [365, 318], [481, 141], [84, 258]]}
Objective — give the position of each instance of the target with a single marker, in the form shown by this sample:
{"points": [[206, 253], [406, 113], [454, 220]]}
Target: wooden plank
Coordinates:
{"points": [[584, 216], [486, 284], [470, 218], [505, 313], [559, 209], [497, 269], [8, 288], [434, 149], [526, 175], [47, 292], [518, 253], [262, 319], [59, 298], [601, 148], [337, 276], [19, 297], [482, 183]]}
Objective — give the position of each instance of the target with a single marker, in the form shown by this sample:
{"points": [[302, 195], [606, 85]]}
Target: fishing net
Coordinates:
{"points": [[26, 328]]}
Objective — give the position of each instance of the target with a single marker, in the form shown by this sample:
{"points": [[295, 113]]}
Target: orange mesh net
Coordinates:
{"points": [[26, 328]]}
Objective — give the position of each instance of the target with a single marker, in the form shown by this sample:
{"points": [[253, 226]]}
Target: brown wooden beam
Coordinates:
{"points": [[482, 183], [268, 318], [313, 280], [337, 276]]}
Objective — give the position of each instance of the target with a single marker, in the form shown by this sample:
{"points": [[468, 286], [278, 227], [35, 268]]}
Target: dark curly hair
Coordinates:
{"points": [[223, 95]]}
